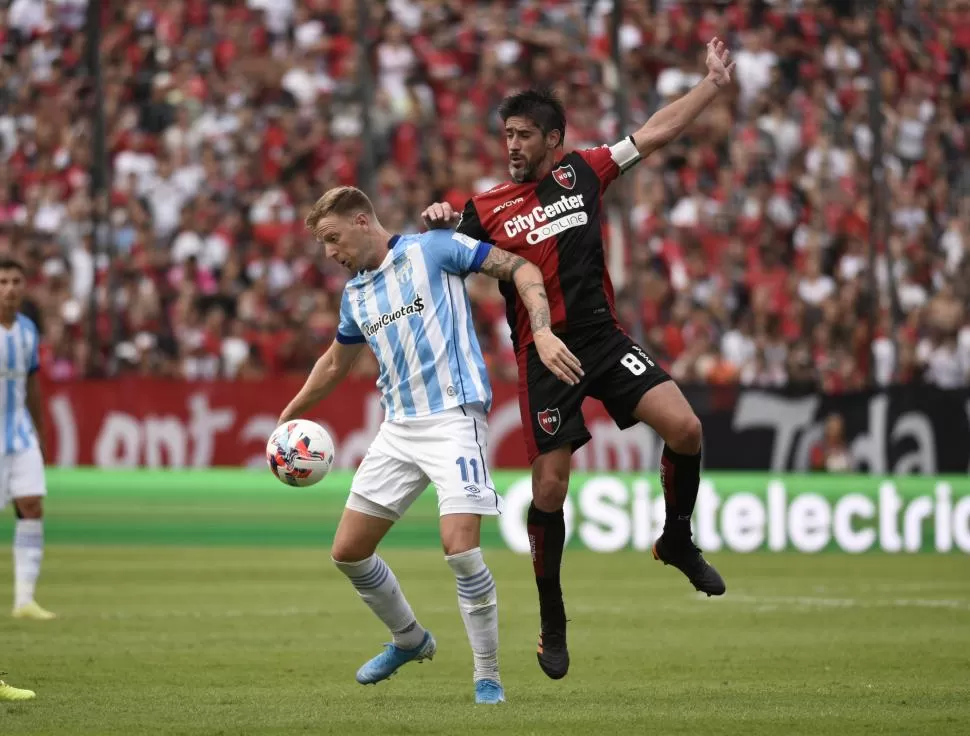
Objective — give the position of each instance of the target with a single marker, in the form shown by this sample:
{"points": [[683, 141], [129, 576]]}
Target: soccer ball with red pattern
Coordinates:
{"points": [[300, 452]]}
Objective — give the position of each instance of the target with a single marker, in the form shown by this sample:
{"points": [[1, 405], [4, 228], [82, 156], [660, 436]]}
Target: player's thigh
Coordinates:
{"points": [[358, 535], [551, 410], [388, 480], [452, 450], [26, 482], [627, 374], [667, 411]]}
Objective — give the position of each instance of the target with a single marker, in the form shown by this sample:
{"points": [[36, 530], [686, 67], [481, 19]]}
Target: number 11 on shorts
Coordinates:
{"points": [[464, 465]]}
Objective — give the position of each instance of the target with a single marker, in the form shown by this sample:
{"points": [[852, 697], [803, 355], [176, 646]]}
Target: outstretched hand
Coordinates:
{"points": [[719, 64]]}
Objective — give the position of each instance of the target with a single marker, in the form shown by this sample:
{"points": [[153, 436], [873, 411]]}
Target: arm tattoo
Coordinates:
{"points": [[501, 265], [534, 295]]}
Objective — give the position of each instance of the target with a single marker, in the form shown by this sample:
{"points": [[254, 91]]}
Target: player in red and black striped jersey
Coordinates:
{"points": [[551, 214]]}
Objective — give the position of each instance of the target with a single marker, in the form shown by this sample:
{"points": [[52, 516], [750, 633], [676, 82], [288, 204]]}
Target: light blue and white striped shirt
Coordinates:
{"points": [[413, 312], [19, 358]]}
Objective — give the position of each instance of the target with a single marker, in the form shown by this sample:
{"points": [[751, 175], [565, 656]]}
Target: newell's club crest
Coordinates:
{"points": [[565, 176], [549, 420]]}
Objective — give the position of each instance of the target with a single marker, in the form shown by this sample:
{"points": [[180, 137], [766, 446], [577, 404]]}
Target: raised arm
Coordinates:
{"points": [[505, 266], [332, 367], [668, 123]]}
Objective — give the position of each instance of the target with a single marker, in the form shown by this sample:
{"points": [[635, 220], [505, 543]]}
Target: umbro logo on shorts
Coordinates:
{"points": [[549, 420]]}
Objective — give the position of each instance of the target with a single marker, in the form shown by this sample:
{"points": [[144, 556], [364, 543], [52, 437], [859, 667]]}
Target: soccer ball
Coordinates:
{"points": [[300, 452]]}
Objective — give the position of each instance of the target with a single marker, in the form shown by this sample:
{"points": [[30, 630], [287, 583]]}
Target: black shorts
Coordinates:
{"points": [[617, 371]]}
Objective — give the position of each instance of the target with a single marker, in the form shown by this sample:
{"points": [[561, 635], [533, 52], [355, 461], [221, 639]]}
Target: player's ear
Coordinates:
{"points": [[553, 139], [361, 220]]}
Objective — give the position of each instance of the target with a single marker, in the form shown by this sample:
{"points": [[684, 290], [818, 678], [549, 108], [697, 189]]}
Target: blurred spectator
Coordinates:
{"points": [[749, 259], [831, 455]]}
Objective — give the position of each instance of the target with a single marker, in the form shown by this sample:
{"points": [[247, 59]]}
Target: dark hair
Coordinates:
{"points": [[10, 264], [542, 106]]}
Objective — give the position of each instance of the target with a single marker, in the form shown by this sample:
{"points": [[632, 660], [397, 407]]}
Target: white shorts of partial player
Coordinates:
{"points": [[21, 475]]}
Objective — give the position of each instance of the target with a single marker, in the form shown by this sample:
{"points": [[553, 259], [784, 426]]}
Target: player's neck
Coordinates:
{"points": [[379, 245], [8, 319], [545, 168]]}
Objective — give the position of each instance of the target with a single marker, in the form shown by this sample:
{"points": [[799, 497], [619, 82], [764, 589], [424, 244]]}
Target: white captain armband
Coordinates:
{"points": [[625, 153]]}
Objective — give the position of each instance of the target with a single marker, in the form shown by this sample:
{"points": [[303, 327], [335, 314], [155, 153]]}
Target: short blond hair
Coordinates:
{"points": [[338, 201]]}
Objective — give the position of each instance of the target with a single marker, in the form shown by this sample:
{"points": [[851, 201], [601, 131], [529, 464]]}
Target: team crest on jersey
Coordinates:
{"points": [[549, 420], [403, 270], [565, 176]]}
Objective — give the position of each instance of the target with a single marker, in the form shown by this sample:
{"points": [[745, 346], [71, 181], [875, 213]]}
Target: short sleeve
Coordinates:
{"points": [[455, 252], [348, 331], [610, 161], [470, 223]]}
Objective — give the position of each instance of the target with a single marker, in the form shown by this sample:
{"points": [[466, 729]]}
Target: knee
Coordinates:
{"points": [[549, 490], [455, 544], [29, 508], [348, 552], [460, 533], [685, 435]]}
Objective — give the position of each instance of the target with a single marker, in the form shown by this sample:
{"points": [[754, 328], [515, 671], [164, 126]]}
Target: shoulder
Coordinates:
{"points": [[401, 243], [424, 242], [495, 191], [26, 323], [589, 155], [486, 201]]}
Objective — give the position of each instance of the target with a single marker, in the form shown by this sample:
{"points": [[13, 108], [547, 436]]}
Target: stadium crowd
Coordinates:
{"points": [[747, 257]]}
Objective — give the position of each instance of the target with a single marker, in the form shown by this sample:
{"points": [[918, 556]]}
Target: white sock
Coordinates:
{"points": [[28, 551], [379, 589], [478, 602]]}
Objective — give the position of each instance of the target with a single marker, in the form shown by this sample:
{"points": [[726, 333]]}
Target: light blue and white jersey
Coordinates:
{"points": [[19, 358], [413, 312]]}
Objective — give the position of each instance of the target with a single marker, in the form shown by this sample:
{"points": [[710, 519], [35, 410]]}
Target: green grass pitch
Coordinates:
{"points": [[232, 640]]}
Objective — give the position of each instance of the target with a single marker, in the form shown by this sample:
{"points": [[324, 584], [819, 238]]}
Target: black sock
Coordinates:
{"points": [[680, 476], [547, 535]]}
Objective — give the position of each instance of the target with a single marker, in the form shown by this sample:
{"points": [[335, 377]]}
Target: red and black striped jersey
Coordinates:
{"points": [[557, 224]]}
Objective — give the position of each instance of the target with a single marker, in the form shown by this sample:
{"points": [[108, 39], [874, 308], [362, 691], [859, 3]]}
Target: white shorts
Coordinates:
{"points": [[21, 475], [446, 449]]}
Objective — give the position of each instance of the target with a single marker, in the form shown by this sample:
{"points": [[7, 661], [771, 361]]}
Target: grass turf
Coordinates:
{"points": [[225, 640]]}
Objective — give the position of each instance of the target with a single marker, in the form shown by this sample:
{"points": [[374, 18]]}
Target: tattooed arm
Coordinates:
{"points": [[505, 266], [527, 277]]}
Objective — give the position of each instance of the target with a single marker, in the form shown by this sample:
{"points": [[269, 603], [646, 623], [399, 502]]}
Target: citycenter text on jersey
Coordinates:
{"points": [[538, 225]]}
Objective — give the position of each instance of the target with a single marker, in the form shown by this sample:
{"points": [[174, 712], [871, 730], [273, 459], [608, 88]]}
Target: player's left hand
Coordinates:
{"points": [[719, 64], [556, 357]]}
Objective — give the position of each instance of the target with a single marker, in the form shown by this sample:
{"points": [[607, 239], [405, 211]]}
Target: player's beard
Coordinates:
{"points": [[527, 170]]}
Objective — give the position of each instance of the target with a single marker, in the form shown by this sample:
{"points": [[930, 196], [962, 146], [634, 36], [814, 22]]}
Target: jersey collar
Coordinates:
{"points": [[390, 246]]}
